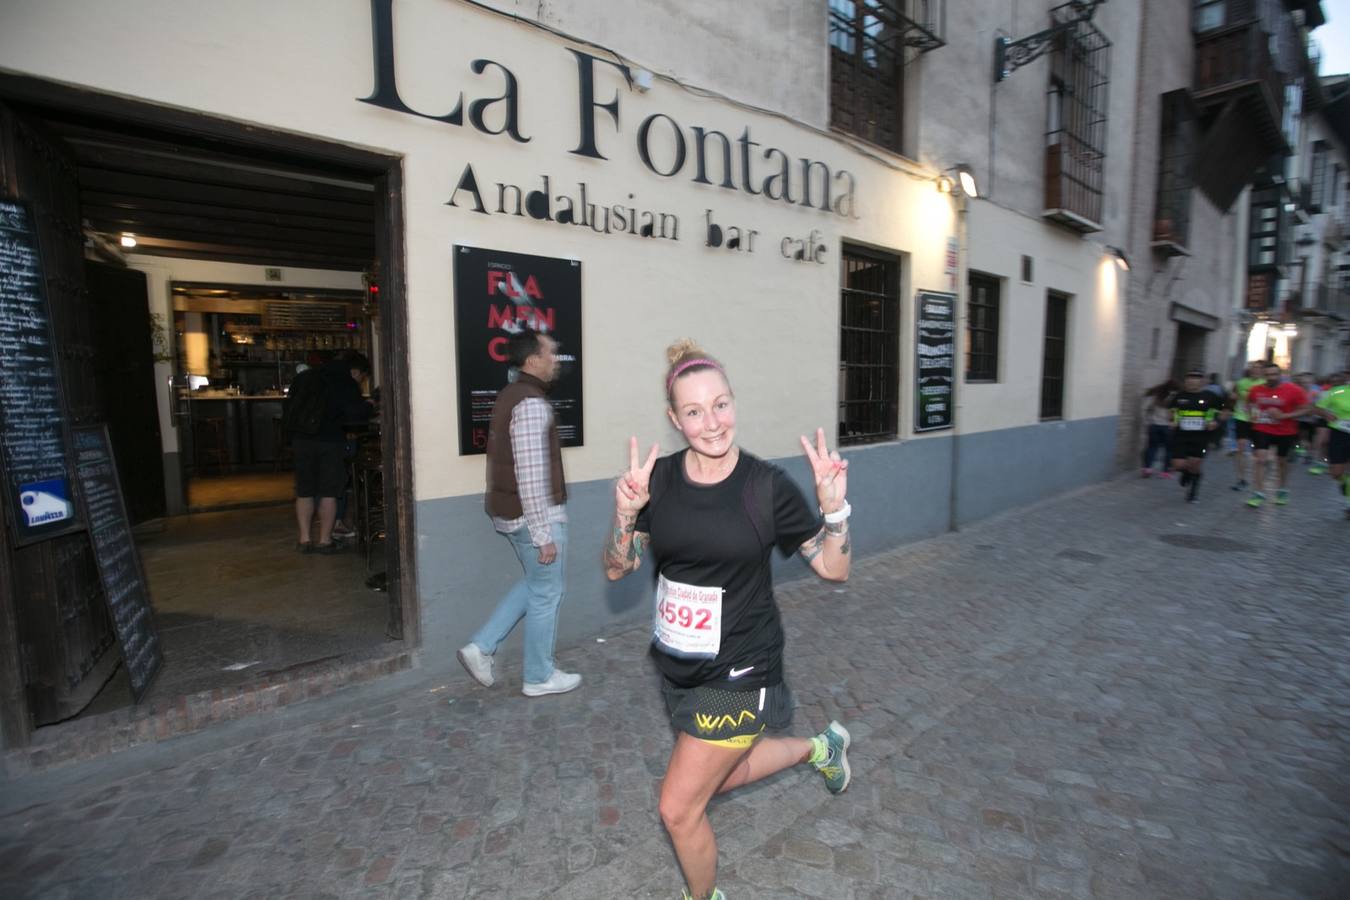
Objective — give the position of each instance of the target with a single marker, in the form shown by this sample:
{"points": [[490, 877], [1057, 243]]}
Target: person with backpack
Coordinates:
{"points": [[320, 404], [710, 517]]}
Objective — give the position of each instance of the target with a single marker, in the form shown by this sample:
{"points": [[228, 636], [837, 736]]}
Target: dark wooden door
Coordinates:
{"points": [[57, 642], [125, 367]]}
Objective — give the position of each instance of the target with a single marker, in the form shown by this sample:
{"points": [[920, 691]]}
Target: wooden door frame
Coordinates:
{"points": [[386, 173]]}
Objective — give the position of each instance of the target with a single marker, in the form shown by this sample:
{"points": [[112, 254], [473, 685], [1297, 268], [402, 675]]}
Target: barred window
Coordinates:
{"points": [[1075, 140], [870, 43], [1172, 205], [869, 347], [1054, 355], [1318, 180], [982, 309]]}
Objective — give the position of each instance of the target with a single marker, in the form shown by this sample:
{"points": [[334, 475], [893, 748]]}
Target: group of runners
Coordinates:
{"points": [[1274, 419]]}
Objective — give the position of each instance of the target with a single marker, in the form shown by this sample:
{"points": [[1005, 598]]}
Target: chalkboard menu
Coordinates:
{"points": [[496, 295], [935, 346], [119, 565], [33, 458]]}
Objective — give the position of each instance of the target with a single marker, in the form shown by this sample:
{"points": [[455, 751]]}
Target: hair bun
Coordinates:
{"points": [[684, 348]]}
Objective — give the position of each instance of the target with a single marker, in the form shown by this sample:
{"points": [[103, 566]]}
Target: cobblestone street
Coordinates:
{"points": [[1112, 694]]}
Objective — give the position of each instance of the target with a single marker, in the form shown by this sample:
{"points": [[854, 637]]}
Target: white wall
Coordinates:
{"points": [[301, 65]]}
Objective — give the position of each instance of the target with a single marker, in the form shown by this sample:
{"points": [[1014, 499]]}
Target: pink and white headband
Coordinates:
{"points": [[689, 364]]}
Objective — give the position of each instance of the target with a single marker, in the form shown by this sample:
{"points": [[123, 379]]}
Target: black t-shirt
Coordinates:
{"points": [[1195, 406], [723, 535]]}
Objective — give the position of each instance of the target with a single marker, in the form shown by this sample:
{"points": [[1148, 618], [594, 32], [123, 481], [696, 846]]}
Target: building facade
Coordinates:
{"points": [[781, 181]]}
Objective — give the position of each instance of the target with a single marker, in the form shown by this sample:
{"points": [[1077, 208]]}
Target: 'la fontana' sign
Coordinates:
{"points": [[738, 164]]}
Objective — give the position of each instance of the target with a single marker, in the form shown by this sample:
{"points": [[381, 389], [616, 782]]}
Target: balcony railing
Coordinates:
{"points": [[1327, 300], [1235, 63]]}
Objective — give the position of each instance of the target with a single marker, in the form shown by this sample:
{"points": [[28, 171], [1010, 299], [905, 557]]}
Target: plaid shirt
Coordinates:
{"points": [[530, 423]]}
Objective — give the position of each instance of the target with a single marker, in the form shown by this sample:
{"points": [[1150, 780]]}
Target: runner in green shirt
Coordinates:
{"points": [[1334, 406], [1242, 420]]}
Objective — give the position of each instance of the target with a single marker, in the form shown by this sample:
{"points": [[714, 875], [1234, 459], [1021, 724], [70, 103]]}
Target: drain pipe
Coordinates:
{"points": [[958, 353]]}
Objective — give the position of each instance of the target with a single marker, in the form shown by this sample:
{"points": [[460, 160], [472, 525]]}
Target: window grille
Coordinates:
{"points": [[870, 42], [869, 347], [982, 312], [1176, 145], [1264, 249], [1075, 158], [1318, 178], [1054, 355]]}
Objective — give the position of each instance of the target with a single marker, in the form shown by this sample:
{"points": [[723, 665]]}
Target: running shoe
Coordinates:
{"points": [[1317, 468], [716, 895], [341, 532], [1281, 497], [1241, 485], [834, 766], [1256, 499]]}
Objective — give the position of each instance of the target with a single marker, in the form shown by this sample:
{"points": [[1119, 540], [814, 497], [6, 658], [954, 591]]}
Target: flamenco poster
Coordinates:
{"points": [[497, 294]]}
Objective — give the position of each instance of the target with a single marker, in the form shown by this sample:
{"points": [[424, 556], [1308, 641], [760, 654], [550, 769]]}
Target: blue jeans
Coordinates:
{"points": [[1159, 436], [535, 599]]}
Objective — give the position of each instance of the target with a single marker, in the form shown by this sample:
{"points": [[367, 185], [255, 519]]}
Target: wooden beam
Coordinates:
{"points": [[222, 232], [96, 204], [200, 171], [254, 256], [155, 188]]}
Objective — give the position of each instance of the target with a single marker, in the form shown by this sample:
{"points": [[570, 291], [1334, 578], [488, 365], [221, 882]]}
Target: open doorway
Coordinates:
{"points": [[193, 267]]}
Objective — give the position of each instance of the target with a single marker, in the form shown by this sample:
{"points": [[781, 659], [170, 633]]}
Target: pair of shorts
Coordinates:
{"points": [[1338, 447], [733, 719], [1280, 443], [1189, 444], [1242, 430], [320, 468]]}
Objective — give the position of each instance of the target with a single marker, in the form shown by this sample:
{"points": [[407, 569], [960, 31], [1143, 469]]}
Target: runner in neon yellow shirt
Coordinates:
{"points": [[1334, 406], [1242, 420]]}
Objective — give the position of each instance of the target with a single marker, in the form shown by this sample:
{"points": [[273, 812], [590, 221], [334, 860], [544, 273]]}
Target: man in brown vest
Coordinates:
{"points": [[526, 494]]}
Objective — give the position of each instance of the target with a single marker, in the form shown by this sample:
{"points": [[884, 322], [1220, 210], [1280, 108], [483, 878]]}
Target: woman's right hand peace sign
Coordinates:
{"points": [[633, 490]]}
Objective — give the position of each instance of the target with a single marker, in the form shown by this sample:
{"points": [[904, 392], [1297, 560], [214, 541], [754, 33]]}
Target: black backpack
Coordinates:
{"points": [[302, 413]]}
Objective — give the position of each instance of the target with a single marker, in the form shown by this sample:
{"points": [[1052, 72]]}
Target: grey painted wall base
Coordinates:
{"points": [[901, 492]]}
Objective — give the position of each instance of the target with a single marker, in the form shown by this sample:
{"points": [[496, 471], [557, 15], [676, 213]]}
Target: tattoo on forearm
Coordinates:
{"points": [[814, 547], [625, 544]]}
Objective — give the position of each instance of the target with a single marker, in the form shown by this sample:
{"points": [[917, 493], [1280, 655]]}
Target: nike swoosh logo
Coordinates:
{"points": [[737, 673]]}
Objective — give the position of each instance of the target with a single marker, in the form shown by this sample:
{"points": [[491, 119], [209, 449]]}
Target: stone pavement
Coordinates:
{"points": [[1112, 694]]}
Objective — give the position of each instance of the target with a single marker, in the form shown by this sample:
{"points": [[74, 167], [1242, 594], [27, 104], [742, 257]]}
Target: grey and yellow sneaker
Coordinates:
{"points": [[715, 895], [830, 757]]}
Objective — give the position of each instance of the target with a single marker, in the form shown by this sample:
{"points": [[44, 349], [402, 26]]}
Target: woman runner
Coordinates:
{"points": [[710, 516]]}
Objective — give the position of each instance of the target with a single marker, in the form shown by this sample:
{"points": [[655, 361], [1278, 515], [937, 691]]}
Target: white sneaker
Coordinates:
{"points": [[559, 682], [477, 663]]}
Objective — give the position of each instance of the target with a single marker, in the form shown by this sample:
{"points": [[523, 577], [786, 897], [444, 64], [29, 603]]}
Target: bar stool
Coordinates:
{"points": [[282, 450], [370, 497], [211, 441]]}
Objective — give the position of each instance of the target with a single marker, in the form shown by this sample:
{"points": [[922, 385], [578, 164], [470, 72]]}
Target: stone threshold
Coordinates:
{"points": [[99, 735]]}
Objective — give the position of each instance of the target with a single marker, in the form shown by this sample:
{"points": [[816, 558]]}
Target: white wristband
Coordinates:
{"points": [[839, 515]]}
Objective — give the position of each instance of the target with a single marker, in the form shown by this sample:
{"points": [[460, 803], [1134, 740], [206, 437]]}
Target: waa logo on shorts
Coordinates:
{"points": [[44, 502]]}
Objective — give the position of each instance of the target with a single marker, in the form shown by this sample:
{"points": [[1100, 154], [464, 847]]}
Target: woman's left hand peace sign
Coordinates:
{"points": [[829, 471]]}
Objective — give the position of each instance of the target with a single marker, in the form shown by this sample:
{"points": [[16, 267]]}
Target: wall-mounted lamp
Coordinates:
{"points": [[1121, 259], [965, 179], [128, 239]]}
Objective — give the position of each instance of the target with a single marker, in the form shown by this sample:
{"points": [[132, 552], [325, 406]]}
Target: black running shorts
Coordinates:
{"points": [[1338, 447], [1242, 430], [1280, 443], [1189, 444], [728, 718]]}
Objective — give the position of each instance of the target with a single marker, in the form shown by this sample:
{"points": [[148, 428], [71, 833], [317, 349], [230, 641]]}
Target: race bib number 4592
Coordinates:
{"points": [[688, 620]]}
